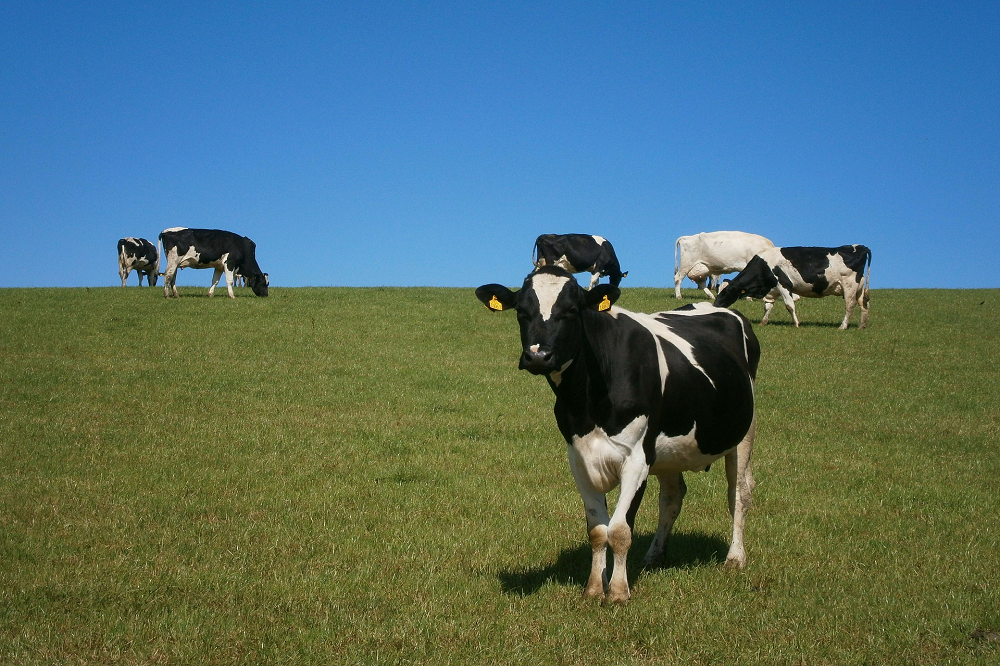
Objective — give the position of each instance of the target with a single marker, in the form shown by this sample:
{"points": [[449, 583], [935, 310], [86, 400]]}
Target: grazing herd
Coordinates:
{"points": [[635, 394], [663, 393]]}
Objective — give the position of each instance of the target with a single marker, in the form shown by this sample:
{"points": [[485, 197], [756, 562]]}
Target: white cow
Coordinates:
{"points": [[710, 254]]}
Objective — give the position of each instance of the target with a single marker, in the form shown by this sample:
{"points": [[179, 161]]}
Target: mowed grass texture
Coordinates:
{"points": [[363, 476]]}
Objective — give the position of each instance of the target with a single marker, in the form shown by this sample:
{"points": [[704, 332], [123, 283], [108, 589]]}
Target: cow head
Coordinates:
{"points": [[257, 282], [756, 281], [550, 308]]}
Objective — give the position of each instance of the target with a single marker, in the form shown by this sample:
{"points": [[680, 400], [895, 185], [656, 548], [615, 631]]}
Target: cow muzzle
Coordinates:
{"points": [[538, 360]]}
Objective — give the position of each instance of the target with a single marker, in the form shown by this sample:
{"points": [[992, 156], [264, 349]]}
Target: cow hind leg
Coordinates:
{"points": [[672, 491], [850, 289], [679, 276], [123, 272], [741, 484]]}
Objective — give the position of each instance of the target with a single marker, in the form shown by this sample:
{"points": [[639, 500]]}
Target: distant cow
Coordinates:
{"points": [[579, 253], [638, 394], [224, 251], [139, 255], [710, 254], [804, 271]]}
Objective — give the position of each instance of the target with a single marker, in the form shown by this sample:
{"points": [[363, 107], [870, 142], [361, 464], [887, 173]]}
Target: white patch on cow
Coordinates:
{"points": [[175, 229], [547, 289], [598, 458], [563, 263], [557, 374], [681, 454], [599, 240], [534, 348], [661, 331]]}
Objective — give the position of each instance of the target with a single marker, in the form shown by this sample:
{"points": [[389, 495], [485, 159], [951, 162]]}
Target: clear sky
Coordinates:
{"points": [[429, 143]]}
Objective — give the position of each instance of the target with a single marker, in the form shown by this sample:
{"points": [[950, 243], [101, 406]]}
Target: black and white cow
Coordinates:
{"points": [[210, 248], [579, 253], [638, 394], [811, 272], [139, 255]]}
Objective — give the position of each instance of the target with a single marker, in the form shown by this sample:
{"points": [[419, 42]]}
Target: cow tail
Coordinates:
{"points": [[534, 254], [677, 260], [868, 276], [159, 251]]}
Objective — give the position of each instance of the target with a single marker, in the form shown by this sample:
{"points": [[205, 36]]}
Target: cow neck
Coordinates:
{"points": [[582, 400]]}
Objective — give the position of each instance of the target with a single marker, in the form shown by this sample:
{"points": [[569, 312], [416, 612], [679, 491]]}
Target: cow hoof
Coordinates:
{"points": [[734, 563], [591, 593], [617, 598]]}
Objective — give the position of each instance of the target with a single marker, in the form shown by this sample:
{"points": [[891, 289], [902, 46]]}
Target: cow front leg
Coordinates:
{"points": [[633, 486], [672, 491], [768, 306], [215, 280], [596, 506], [741, 484], [230, 280], [789, 300]]}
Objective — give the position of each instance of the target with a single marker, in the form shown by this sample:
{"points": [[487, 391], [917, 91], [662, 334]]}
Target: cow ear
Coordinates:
{"points": [[602, 297], [496, 297]]}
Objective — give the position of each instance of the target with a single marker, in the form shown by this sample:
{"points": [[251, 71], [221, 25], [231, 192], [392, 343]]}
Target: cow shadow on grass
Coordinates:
{"points": [[788, 323], [572, 567]]}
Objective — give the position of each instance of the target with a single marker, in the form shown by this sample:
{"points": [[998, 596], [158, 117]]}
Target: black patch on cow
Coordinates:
{"points": [[786, 282], [723, 412], [855, 257], [756, 280], [811, 263]]}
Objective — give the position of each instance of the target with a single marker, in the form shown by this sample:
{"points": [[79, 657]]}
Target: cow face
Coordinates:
{"points": [[550, 308], [258, 283], [756, 281]]}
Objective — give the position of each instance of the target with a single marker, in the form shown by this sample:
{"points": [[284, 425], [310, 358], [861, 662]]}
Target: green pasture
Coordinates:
{"points": [[339, 476]]}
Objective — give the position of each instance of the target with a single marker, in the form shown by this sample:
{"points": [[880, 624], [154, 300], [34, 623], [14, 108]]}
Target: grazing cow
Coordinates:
{"points": [[224, 251], [579, 253], [804, 271], [710, 254], [139, 255], [638, 394]]}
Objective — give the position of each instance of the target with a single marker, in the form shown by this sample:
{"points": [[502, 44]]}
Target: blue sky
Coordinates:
{"points": [[430, 143]]}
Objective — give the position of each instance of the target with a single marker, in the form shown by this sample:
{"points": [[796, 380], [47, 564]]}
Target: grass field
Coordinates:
{"points": [[336, 476]]}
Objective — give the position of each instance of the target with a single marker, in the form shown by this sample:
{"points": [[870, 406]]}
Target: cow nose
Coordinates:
{"points": [[537, 360]]}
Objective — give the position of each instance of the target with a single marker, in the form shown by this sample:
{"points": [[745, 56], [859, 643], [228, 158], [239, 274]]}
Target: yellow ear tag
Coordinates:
{"points": [[604, 305], [495, 304]]}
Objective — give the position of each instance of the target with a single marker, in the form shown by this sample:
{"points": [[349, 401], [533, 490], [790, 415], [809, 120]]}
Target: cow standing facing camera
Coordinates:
{"points": [[638, 394]]}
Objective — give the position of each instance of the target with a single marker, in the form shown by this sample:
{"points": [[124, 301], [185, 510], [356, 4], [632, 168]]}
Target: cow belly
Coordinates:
{"points": [[680, 453]]}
